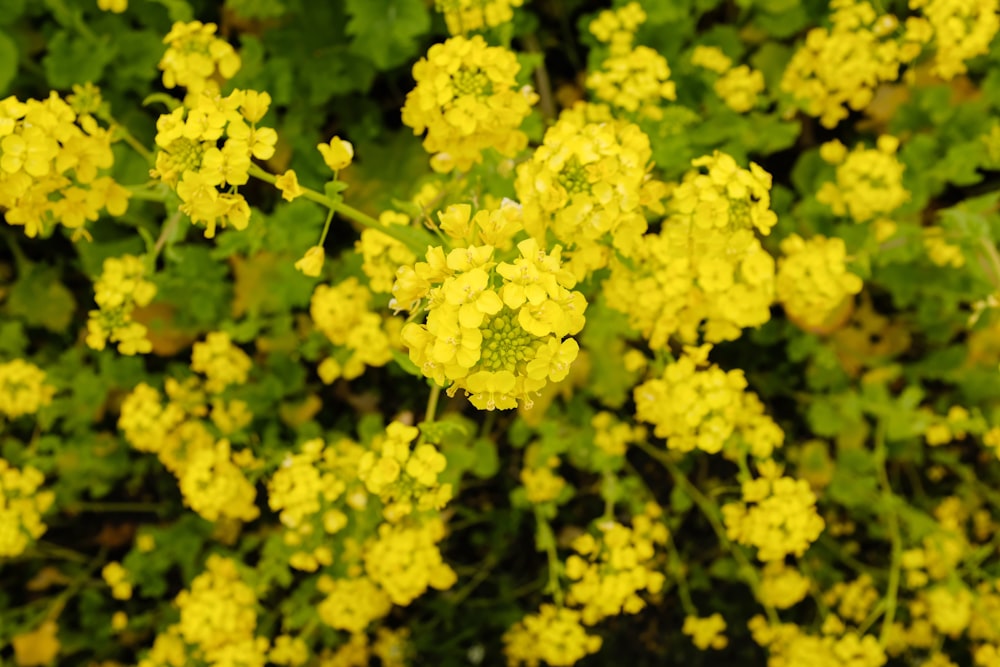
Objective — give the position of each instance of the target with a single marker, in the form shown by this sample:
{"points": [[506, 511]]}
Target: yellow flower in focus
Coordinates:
{"points": [[467, 100], [196, 59], [288, 184], [311, 263], [38, 647], [337, 153]]}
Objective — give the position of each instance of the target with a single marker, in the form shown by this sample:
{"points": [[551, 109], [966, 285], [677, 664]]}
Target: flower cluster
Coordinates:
{"points": [[554, 635], [383, 255], [210, 475], [608, 572], [404, 560], [467, 101], [788, 644], [496, 330], [343, 314], [633, 78], [839, 68], [21, 508], [706, 632], [120, 289], [705, 266], [23, 389], [196, 59], [464, 16], [218, 617], [869, 181], [53, 166], [351, 604], [776, 514], [222, 363], [813, 281], [692, 407], [191, 160], [306, 491], [782, 586], [959, 30], [738, 86], [588, 184], [613, 436], [406, 480]]}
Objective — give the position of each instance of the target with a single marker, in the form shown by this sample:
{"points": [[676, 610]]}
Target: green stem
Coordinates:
{"points": [[432, 403], [555, 566], [414, 239], [135, 144], [895, 537], [100, 507], [145, 193], [682, 588], [168, 231], [326, 228], [709, 509]]}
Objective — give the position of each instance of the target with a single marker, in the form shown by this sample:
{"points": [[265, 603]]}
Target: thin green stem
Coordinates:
{"points": [[147, 193], [134, 143], [682, 588], [548, 539], [168, 231], [326, 227], [432, 402], [414, 239], [895, 536]]}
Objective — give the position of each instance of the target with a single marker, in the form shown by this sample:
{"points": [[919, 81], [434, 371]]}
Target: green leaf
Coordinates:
{"points": [[8, 62], [486, 462], [71, 59], [386, 31], [40, 299]]}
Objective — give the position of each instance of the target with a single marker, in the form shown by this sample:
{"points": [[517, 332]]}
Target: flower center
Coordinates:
{"points": [[185, 154], [573, 177], [471, 82], [505, 344]]}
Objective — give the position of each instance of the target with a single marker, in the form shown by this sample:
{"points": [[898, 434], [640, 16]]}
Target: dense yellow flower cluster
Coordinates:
{"points": [[869, 181], [383, 255], [705, 267], [196, 59], [813, 281], [696, 407], [633, 78], [462, 16], [21, 508], [404, 559], [120, 289], [215, 487], [218, 617], [209, 474], [351, 604], [839, 68], [222, 363], [53, 166], [306, 490], [496, 330], [706, 632], [467, 101], [405, 480], [343, 314], [776, 514], [22, 389], [959, 29], [587, 184], [190, 160], [608, 572], [554, 635], [782, 586], [788, 644]]}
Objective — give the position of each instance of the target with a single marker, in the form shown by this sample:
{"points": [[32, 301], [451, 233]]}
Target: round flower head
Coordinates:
{"points": [[467, 100]]}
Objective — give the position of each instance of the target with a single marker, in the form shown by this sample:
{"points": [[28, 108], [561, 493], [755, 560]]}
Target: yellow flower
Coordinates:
{"points": [[554, 635], [337, 154], [38, 647], [196, 58], [288, 184], [463, 16], [311, 263], [116, 6], [813, 280], [706, 632]]}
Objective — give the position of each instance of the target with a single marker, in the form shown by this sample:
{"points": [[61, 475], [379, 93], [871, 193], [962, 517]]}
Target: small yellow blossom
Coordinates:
{"points": [[116, 6], [288, 184], [337, 153], [706, 632], [311, 263], [554, 635], [38, 647]]}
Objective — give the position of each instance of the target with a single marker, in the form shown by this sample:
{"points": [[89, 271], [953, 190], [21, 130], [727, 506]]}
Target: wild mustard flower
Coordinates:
{"points": [[813, 280], [467, 101], [343, 314], [22, 505], [23, 390], [554, 635], [464, 16], [869, 181], [120, 289], [196, 59]]}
